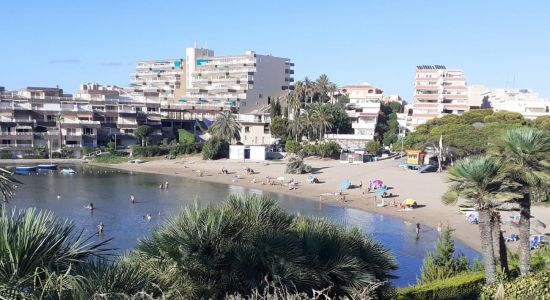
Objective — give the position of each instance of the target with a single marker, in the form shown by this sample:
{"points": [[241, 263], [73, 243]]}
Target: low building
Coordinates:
{"points": [[524, 101], [255, 127], [363, 110]]}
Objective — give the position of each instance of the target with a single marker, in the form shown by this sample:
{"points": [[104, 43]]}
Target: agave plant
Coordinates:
{"points": [[38, 253], [7, 184], [209, 252]]}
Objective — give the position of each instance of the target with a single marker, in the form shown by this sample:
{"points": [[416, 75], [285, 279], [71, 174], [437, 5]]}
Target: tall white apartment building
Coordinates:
{"points": [[523, 101], [363, 110], [161, 80], [437, 91], [246, 81]]}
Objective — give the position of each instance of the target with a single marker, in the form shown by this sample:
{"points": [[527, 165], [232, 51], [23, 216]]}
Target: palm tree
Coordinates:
{"points": [[7, 184], [58, 120], [332, 90], [226, 127], [322, 118], [296, 128], [293, 103], [323, 84], [480, 181], [38, 253], [209, 252], [525, 151], [309, 89]]}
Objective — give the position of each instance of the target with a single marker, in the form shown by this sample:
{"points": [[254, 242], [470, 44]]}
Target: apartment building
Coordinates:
{"points": [[523, 101], [46, 117], [437, 91], [363, 110], [158, 80], [255, 127]]}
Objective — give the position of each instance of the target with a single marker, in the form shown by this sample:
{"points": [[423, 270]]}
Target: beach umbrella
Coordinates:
{"points": [[409, 201], [380, 192], [377, 182], [345, 184]]}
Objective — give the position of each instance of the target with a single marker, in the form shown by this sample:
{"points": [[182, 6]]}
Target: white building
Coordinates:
{"points": [[255, 127], [363, 110], [523, 101], [158, 80], [438, 91]]}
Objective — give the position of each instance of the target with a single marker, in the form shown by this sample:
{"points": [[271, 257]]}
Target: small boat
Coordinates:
{"points": [[68, 171], [47, 167], [25, 169]]}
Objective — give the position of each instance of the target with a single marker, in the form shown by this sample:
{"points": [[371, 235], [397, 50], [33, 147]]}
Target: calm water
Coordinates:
{"points": [[109, 191]]}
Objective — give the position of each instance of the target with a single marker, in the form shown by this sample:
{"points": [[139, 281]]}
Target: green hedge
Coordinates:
{"points": [[185, 136], [465, 285], [534, 286]]}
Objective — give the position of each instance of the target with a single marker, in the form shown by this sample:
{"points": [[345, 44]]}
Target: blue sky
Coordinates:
{"points": [[497, 43]]}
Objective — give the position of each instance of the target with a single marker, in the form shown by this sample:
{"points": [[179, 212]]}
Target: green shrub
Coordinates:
{"points": [[119, 157], [292, 146], [310, 150], [164, 142], [533, 286], [215, 148], [86, 150], [149, 151], [185, 137], [329, 149], [111, 147], [465, 285], [296, 165], [373, 147], [182, 149]]}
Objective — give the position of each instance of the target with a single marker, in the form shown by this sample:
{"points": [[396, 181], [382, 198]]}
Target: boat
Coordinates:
{"points": [[47, 167], [51, 165], [68, 171], [25, 169]]}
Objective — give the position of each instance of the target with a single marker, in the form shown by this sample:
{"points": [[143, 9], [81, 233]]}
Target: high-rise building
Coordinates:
{"points": [[246, 81], [159, 80], [437, 91]]}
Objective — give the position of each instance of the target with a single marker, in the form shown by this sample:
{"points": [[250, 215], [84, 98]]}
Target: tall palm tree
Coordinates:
{"points": [[322, 118], [7, 184], [332, 90], [480, 181], [293, 103], [308, 124], [525, 151], [322, 85], [296, 128], [226, 127], [58, 120], [309, 89]]}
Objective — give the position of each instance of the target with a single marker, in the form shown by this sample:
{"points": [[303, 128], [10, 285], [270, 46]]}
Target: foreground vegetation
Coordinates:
{"points": [[241, 247]]}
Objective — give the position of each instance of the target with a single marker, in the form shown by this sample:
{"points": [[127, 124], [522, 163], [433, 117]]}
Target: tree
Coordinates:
{"points": [[309, 89], [443, 263], [321, 118], [476, 115], [278, 127], [39, 253], [208, 252], [323, 85], [373, 147], [275, 108], [142, 132], [215, 148], [525, 151], [185, 137], [505, 116], [542, 122], [481, 182], [7, 184], [58, 120], [226, 127], [296, 127]]}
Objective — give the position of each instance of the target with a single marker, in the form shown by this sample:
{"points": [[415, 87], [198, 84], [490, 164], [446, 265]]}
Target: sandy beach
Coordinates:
{"points": [[427, 188]]}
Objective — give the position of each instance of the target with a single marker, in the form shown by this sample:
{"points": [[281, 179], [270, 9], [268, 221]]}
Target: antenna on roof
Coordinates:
{"points": [[205, 44]]}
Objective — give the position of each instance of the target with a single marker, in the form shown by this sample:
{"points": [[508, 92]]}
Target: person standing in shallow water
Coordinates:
{"points": [[417, 229], [100, 228]]}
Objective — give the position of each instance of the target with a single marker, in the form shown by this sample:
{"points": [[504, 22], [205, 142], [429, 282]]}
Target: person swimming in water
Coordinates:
{"points": [[90, 206], [132, 199], [100, 228]]}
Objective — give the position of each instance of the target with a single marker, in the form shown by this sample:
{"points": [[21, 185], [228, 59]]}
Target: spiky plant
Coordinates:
{"points": [[38, 252], [237, 247], [7, 184]]}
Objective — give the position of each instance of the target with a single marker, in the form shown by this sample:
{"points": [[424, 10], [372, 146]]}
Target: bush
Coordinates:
{"points": [[148, 151], [329, 149], [182, 149], [373, 147], [215, 148], [186, 137], [292, 146], [533, 286], [86, 150], [111, 147], [296, 165], [465, 285], [310, 150]]}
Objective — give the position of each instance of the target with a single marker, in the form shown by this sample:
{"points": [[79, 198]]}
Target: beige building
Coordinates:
{"points": [[255, 128], [437, 91]]}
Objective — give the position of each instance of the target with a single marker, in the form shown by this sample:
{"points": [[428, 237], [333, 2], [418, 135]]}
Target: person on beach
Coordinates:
{"points": [[439, 228], [100, 228], [417, 229], [132, 199]]}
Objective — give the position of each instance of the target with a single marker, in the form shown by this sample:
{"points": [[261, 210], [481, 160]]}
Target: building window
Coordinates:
{"points": [[246, 129]]}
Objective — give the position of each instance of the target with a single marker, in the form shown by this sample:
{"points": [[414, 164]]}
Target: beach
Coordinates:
{"points": [[426, 189]]}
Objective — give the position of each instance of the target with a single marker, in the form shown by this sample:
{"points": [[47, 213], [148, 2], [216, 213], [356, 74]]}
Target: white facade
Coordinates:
{"points": [[240, 152], [438, 91], [160, 80], [523, 101], [363, 110], [255, 128]]}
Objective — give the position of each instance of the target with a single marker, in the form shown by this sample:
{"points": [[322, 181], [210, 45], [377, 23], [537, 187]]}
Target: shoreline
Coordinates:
{"points": [[428, 215]]}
